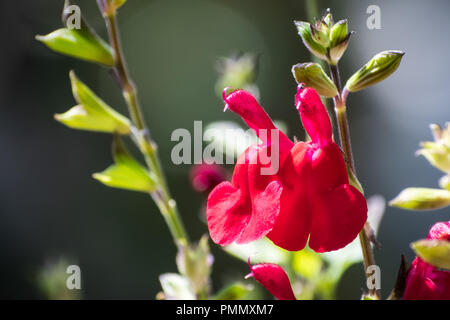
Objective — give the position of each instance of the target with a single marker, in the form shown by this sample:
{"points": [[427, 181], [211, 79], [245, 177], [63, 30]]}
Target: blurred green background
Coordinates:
{"points": [[49, 204]]}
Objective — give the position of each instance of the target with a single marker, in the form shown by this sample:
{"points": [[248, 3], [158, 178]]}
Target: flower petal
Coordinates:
{"points": [[314, 116], [293, 225], [426, 282], [338, 217], [274, 279], [227, 213], [245, 105]]}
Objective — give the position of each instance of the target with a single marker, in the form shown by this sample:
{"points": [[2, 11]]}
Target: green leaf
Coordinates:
{"points": [[304, 30], [92, 113], [421, 199], [377, 69], [126, 173], [312, 75], [235, 291], [79, 43], [435, 252]]}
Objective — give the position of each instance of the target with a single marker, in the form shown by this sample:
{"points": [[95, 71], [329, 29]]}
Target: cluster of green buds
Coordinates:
{"points": [[437, 153], [328, 41], [325, 39]]}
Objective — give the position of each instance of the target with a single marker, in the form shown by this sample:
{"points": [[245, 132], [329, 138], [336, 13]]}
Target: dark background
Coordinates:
{"points": [[51, 207]]}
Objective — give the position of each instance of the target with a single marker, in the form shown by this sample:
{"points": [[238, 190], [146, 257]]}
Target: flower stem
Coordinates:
{"points": [[162, 197], [344, 133]]}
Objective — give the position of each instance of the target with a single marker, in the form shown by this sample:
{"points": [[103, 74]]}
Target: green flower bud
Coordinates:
{"points": [[339, 37], [92, 113], [435, 252], [377, 69], [437, 152], [444, 182], [320, 33], [126, 173], [312, 75], [304, 30], [421, 199]]}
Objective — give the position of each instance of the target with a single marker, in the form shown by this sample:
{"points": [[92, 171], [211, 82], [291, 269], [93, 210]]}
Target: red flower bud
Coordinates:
{"points": [[424, 281], [309, 196], [204, 177], [274, 279]]}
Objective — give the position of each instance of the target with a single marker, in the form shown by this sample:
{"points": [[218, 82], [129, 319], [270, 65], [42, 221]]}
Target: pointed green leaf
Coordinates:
{"points": [[377, 69], [79, 43], [126, 173], [435, 252], [421, 199], [92, 113], [312, 75]]}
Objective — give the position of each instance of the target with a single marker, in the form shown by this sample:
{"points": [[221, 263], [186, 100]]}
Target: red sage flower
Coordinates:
{"points": [[302, 192]]}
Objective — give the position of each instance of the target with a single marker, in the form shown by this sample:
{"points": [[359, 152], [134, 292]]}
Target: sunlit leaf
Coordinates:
{"points": [[126, 173], [79, 43], [92, 113]]}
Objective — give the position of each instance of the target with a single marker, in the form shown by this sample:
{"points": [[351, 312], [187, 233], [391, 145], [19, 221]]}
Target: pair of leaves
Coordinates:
{"points": [[92, 113]]}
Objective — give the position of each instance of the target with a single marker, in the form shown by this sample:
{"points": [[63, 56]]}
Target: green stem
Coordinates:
{"points": [[344, 133], [162, 197]]}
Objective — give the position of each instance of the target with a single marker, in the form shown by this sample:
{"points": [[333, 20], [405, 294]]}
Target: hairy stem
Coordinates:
{"points": [[162, 197], [344, 133]]}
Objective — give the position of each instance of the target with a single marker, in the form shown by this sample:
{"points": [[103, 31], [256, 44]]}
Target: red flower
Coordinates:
{"points": [[274, 279], [426, 282], [309, 196]]}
